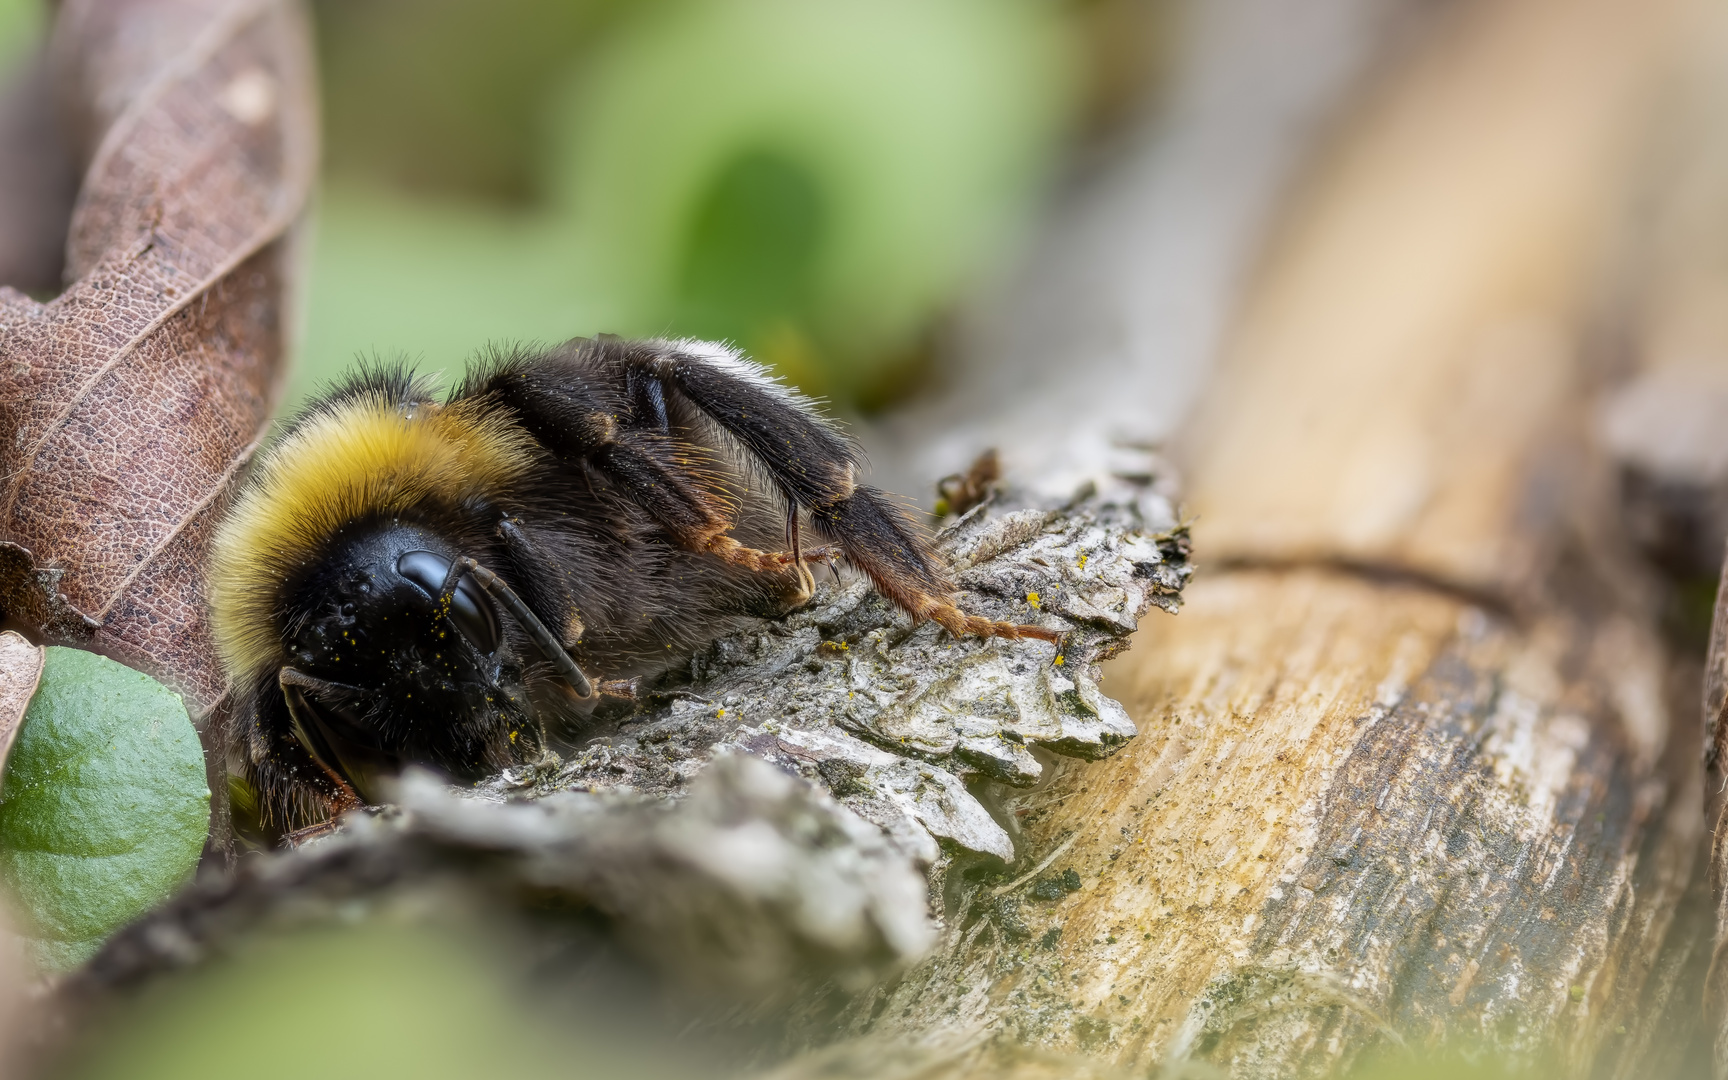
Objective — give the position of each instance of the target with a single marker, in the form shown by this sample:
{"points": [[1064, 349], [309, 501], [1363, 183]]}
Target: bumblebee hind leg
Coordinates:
{"points": [[815, 468], [617, 425]]}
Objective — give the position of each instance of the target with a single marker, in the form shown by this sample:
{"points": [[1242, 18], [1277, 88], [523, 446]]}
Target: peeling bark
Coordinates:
{"points": [[897, 720]]}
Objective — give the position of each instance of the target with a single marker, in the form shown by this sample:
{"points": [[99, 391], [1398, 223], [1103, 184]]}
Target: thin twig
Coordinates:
{"points": [[1039, 869]]}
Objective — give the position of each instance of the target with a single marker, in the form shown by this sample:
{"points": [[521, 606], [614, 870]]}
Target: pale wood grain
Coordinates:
{"points": [[1408, 772]]}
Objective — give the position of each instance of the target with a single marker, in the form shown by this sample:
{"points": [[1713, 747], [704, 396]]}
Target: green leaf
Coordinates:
{"points": [[104, 808], [21, 28], [815, 181]]}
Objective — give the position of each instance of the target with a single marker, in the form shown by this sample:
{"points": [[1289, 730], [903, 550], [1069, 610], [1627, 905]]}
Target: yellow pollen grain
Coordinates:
{"points": [[1058, 659]]}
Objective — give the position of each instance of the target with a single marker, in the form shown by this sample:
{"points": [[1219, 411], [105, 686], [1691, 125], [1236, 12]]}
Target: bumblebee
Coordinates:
{"points": [[403, 580]]}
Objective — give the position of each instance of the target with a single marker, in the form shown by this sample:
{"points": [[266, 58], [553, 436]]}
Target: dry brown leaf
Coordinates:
{"points": [[20, 671], [131, 401]]}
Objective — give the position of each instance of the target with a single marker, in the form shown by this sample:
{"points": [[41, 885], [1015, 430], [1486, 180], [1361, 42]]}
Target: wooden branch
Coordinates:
{"points": [[750, 881], [1716, 806], [1408, 772]]}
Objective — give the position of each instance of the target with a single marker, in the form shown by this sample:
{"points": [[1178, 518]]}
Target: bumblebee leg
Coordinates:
{"points": [[725, 547], [617, 423], [310, 833], [879, 540], [499, 590], [795, 546], [649, 467], [815, 467], [294, 789], [550, 587]]}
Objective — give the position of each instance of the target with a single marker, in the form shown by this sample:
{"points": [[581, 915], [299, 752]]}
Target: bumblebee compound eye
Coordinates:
{"points": [[470, 610]]}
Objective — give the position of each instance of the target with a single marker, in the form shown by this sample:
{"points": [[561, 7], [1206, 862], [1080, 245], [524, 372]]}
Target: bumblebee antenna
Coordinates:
{"points": [[499, 590]]}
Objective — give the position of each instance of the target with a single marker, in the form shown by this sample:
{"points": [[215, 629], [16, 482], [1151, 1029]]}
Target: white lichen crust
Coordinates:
{"points": [[894, 718]]}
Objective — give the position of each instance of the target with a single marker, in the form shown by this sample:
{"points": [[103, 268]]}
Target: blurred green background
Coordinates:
{"points": [[21, 24], [820, 183], [815, 182]]}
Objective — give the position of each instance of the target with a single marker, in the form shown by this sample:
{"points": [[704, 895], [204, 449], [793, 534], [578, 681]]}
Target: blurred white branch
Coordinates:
{"points": [[1105, 332]]}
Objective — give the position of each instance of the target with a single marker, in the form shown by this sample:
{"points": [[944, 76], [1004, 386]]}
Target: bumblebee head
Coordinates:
{"points": [[328, 599], [394, 655]]}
